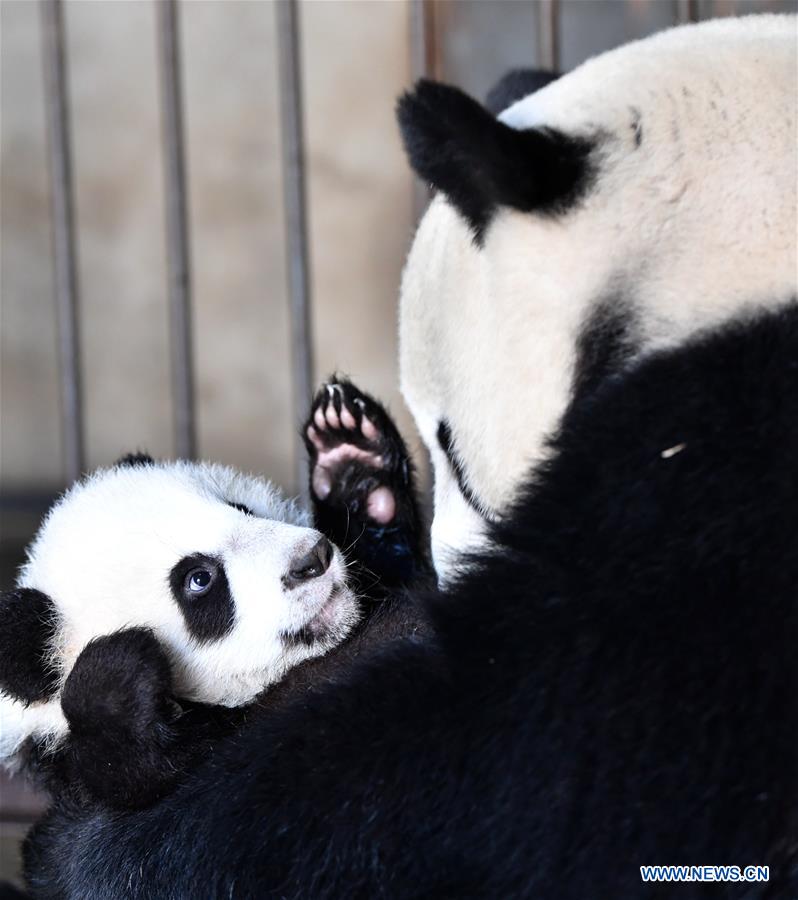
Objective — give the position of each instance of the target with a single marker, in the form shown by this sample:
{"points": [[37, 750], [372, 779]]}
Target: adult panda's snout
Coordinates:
{"points": [[311, 564]]}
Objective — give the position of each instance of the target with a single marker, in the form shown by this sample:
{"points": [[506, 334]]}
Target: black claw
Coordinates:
{"points": [[388, 442], [337, 396]]}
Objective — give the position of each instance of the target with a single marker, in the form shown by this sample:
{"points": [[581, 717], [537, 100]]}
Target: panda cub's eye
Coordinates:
{"points": [[199, 581], [200, 588]]}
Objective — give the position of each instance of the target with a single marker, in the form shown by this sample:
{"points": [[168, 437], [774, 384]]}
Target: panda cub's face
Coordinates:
{"points": [[225, 572]]}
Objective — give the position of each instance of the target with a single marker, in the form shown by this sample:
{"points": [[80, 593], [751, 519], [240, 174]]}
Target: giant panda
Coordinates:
{"points": [[645, 198], [599, 342], [157, 597]]}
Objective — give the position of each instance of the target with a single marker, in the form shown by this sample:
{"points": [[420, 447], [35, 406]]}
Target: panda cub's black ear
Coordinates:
{"points": [[135, 459], [480, 164], [28, 623], [515, 85]]}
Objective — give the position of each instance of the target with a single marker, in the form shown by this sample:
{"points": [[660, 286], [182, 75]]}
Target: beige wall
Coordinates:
{"points": [[355, 63]]}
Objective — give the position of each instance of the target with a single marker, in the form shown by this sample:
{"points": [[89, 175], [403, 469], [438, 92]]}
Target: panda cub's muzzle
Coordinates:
{"points": [[310, 565], [318, 577]]}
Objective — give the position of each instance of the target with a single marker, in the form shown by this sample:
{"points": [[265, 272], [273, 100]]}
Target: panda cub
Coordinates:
{"points": [[162, 603]]}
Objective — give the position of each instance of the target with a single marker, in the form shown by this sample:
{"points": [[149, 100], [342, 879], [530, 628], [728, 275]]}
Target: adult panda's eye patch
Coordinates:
{"points": [[446, 443], [201, 590]]}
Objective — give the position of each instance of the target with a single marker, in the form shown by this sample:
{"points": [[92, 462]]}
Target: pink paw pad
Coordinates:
{"points": [[381, 505], [329, 434]]}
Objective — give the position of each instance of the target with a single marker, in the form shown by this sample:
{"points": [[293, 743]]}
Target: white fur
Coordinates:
{"points": [[694, 227], [104, 554]]}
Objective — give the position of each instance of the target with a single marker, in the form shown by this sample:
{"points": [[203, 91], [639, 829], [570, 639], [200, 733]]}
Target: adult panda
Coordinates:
{"points": [[600, 344], [647, 197]]}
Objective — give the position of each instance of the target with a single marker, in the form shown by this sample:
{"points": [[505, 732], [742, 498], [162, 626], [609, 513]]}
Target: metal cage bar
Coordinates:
{"points": [[549, 34], [177, 232], [687, 11], [424, 56], [64, 240], [424, 63], [296, 228]]}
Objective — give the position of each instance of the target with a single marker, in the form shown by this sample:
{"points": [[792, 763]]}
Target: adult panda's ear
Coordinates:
{"points": [[135, 459], [28, 623], [480, 164], [515, 85]]}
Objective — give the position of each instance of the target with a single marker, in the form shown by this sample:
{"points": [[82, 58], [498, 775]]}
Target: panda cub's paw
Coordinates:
{"points": [[120, 684], [120, 751], [358, 458], [363, 491]]}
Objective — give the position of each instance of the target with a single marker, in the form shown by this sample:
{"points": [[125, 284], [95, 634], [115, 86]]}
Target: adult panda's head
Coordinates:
{"points": [[648, 194], [225, 572]]}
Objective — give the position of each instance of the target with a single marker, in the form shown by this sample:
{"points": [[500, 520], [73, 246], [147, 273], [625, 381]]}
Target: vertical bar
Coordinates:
{"points": [[296, 229], [64, 244], [424, 63], [686, 11], [177, 236], [549, 34]]}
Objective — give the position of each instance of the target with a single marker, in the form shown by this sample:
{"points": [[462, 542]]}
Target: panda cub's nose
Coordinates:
{"points": [[311, 564]]}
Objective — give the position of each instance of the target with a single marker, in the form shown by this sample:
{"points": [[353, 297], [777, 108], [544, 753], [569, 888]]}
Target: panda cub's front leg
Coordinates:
{"points": [[116, 701], [362, 485], [128, 739]]}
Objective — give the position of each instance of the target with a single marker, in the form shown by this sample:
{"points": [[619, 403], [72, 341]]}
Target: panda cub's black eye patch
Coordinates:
{"points": [[200, 588], [241, 508]]}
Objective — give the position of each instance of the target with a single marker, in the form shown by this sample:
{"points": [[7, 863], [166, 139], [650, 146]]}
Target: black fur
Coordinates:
{"points": [[480, 164], [446, 443], [116, 702], [515, 85], [614, 686], [211, 616], [606, 343], [135, 459], [29, 624], [241, 508], [129, 741]]}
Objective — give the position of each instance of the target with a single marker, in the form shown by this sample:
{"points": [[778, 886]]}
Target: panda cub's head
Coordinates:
{"points": [[225, 572]]}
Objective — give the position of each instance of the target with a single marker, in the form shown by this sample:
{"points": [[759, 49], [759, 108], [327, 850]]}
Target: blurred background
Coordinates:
{"points": [[128, 375]]}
